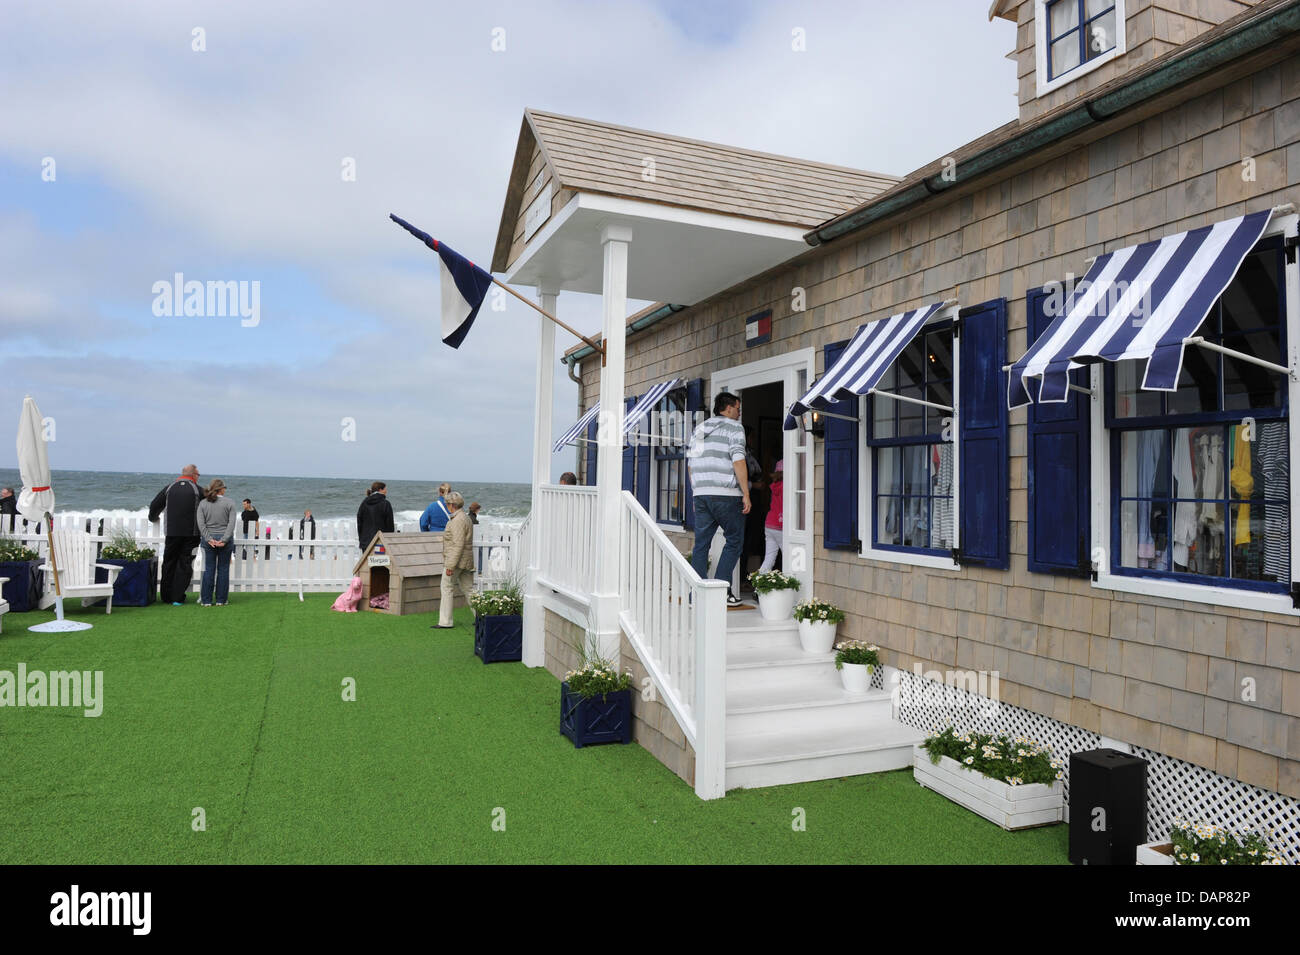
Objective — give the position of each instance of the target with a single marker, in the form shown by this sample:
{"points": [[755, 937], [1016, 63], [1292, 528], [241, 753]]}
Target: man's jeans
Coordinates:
{"points": [[712, 512]]}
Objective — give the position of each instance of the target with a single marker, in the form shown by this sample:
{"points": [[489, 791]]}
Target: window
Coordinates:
{"points": [[1074, 37], [1200, 478], [911, 447], [669, 427]]}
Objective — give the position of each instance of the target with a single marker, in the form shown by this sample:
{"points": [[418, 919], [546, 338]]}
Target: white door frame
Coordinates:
{"points": [[785, 370]]}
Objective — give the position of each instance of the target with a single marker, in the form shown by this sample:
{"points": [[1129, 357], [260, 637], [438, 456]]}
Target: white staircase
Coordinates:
{"points": [[790, 721]]}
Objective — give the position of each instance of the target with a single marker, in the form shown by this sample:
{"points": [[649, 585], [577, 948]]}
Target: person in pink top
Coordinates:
{"points": [[772, 526]]}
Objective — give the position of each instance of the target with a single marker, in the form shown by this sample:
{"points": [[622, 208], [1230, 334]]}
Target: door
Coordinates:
{"points": [[793, 371]]}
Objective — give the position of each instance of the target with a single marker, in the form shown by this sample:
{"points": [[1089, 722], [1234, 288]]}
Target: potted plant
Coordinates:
{"points": [[776, 593], [596, 703], [1203, 844], [137, 583], [22, 566], [818, 621], [498, 625], [855, 659], [1015, 783]]}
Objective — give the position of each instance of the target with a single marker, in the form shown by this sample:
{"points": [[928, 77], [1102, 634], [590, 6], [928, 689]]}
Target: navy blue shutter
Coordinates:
{"points": [[983, 477], [694, 403], [1059, 462], [629, 453], [592, 431], [840, 471], [644, 452]]}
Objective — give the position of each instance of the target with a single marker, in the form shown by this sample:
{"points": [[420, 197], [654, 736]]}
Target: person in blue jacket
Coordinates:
{"points": [[437, 514]]}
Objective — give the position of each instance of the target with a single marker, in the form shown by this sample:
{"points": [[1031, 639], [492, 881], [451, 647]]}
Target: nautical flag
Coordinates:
{"points": [[464, 286]]}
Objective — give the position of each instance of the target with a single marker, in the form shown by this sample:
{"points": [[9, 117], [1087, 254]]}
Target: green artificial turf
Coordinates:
{"points": [[239, 710]]}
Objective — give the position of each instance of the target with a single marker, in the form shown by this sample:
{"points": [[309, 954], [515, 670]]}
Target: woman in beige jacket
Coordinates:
{"points": [[457, 557]]}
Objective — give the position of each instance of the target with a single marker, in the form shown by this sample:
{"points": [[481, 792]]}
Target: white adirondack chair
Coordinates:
{"points": [[4, 605], [75, 553]]}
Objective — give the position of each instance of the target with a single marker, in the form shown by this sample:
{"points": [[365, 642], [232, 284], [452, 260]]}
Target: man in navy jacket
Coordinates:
{"points": [[180, 500]]}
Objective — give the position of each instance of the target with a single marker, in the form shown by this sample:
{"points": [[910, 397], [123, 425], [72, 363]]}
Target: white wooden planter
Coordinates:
{"points": [[1011, 807], [1156, 853]]}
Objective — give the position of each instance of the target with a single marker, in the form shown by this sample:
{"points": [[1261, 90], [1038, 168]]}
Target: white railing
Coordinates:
{"points": [[289, 563], [565, 522], [677, 624]]}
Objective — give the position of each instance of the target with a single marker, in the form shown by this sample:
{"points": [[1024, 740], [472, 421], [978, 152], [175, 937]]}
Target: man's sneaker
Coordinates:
{"points": [[732, 599]]}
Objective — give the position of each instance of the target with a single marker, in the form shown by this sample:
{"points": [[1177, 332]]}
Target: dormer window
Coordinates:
{"points": [[1074, 37]]}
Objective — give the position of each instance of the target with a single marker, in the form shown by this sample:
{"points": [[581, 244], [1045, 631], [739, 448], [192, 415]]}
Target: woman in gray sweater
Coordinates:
{"points": [[216, 531]]}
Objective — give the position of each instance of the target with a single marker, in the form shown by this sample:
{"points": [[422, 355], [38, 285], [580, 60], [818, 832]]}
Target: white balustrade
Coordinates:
{"points": [[564, 518]]}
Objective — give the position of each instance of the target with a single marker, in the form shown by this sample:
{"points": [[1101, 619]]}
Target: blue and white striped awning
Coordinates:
{"points": [[864, 361], [1143, 302], [578, 429], [645, 404]]}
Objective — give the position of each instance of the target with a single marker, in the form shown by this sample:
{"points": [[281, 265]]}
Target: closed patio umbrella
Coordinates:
{"points": [[36, 502]]}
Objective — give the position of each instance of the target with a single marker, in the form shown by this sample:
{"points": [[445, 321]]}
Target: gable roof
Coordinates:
{"points": [[417, 554], [584, 155]]}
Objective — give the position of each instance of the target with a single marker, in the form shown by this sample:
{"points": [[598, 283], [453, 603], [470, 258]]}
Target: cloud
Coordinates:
{"points": [[227, 163]]}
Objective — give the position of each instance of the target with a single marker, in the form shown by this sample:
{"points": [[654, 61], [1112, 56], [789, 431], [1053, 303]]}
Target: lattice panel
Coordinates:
{"points": [[1175, 787], [1179, 789], [930, 707]]}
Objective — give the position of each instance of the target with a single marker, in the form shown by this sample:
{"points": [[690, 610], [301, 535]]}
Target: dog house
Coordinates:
{"points": [[407, 567]]}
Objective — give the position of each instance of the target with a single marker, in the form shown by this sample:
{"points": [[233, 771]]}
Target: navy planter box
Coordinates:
{"points": [[26, 584], [606, 719], [499, 638], [136, 585]]}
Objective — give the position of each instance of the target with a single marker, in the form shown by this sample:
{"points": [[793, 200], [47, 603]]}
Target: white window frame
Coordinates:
{"points": [[1284, 225], [866, 471], [1042, 48]]}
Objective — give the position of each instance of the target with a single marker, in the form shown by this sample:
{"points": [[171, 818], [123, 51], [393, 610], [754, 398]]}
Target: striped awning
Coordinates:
{"points": [[1142, 302], [645, 404], [577, 430], [864, 361]]}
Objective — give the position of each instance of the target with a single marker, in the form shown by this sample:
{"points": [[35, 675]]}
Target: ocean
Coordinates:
{"points": [[121, 494]]}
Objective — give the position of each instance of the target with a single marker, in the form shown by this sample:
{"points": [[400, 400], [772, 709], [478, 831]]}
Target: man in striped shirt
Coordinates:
{"points": [[720, 484]]}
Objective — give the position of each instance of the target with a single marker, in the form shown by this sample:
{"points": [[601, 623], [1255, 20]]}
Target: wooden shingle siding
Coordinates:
{"points": [[1152, 28], [1145, 670]]}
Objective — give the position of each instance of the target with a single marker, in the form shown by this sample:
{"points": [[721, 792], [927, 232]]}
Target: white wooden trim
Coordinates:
{"points": [[1044, 85], [866, 473]]}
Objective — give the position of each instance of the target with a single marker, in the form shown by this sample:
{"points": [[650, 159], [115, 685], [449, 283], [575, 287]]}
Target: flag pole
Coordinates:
{"points": [[600, 347], [432, 243]]}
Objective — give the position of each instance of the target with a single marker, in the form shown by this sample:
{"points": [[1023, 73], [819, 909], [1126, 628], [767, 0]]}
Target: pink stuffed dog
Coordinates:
{"points": [[347, 601]]}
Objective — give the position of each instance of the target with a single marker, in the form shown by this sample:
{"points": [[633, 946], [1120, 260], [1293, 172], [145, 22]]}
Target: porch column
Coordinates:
{"points": [[534, 648], [614, 240]]}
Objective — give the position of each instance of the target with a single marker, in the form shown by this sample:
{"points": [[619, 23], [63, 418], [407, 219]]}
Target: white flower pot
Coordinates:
{"points": [[856, 677], [1011, 807], [816, 636], [1156, 853], [777, 605]]}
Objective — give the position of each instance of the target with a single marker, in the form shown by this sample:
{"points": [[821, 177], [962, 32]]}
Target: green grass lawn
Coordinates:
{"points": [[239, 710]]}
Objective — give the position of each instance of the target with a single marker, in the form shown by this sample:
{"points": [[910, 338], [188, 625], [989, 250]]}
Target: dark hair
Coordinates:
{"points": [[724, 401], [568, 477], [247, 501], [377, 486]]}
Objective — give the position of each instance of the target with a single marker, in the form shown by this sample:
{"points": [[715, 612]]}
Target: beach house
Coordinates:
{"points": [[1032, 402]]}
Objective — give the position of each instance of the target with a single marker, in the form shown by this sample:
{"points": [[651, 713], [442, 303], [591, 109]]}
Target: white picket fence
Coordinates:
{"points": [[284, 561]]}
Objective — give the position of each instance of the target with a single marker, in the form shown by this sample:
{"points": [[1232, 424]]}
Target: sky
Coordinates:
{"points": [[148, 138]]}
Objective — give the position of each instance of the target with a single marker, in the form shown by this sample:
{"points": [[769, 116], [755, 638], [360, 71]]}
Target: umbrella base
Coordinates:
{"points": [[61, 626]]}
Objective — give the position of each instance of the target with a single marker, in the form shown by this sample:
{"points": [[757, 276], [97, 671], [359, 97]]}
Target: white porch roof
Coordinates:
{"points": [[703, 216]]}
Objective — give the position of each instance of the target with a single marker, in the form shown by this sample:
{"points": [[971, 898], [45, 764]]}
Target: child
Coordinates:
{"points": [[772, 527]]}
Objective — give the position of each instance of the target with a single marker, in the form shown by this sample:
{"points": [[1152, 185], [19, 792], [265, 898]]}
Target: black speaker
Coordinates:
{"points": [[1108, 807]]}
